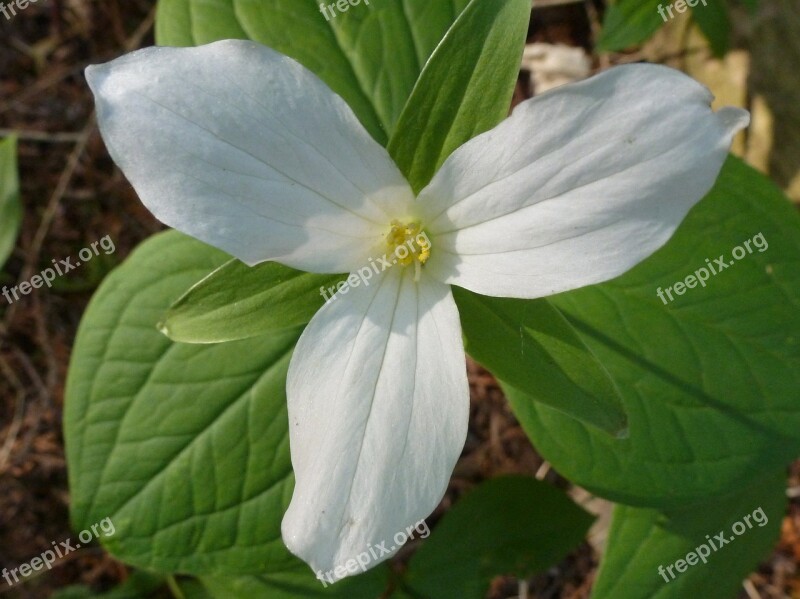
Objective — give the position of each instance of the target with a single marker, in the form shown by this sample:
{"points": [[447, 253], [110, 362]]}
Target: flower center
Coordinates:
{"points": [[409, 244]]}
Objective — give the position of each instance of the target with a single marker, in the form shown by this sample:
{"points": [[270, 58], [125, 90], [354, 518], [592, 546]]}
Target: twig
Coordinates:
{"points": [[32, 255], [542, 471], [55, 199], [45, 401], [751, 590], [41, 85], [135, 40], [75, 554], [16, 423], [32, 258], [33, 375]]}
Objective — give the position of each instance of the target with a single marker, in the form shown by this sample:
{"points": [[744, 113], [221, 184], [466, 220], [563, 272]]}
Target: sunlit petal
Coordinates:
{"points": [[378, 411], [578, 185], [247, 150]]}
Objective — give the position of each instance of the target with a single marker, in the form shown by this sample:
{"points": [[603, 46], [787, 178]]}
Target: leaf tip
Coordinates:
{"points": [[163, 328], [624, 432]]}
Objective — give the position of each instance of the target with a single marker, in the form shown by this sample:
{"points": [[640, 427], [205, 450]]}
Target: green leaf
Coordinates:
{"points": [[210, 18], [350, 51], [630, 22], [549, 358], [709, 380], [508, 525], [10, 207], [464, 90], [188, 588], [299, 583], [237, 301], [388, 44], [139, 584], [174, 23], [645, 544], [184, 447], [712, 18]]}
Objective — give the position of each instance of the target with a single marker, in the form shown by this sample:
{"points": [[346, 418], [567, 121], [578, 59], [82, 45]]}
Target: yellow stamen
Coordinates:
{"points": [[408, 243]]}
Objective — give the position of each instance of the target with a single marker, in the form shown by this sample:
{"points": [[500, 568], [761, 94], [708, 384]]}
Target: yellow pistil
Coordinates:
{"points": [[408, 244]]}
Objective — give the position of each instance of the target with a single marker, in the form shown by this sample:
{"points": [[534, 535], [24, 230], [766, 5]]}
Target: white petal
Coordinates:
{"points": [[247, 150], [378, 411], [578, 185]]}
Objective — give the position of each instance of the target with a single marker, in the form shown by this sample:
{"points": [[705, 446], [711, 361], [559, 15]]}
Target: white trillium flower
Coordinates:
{"points": [[248, 151]]}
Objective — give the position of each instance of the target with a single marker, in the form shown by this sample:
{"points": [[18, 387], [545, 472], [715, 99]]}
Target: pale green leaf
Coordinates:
{"points": [[237, 301]]}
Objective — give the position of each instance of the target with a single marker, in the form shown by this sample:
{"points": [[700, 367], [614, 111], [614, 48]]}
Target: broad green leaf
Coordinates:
{"points": [[644, 546], [465, 88], [184, 447], [10, 207], [189, 588], [712, 18], [508, 525], [174, 23], [299, 583], [370, 55], [237, 301], [630, 22], [710, 379], [549, 359], [211, 17]]}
